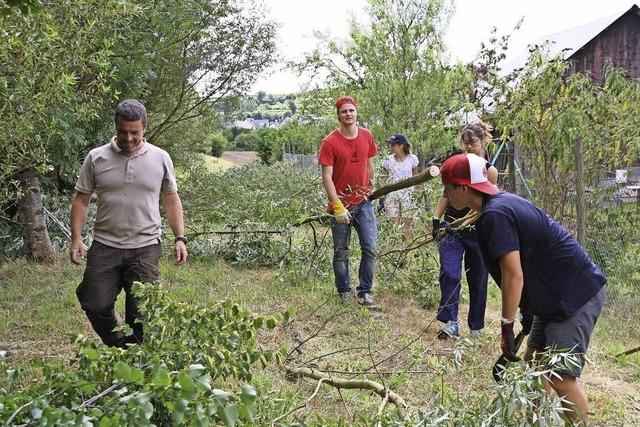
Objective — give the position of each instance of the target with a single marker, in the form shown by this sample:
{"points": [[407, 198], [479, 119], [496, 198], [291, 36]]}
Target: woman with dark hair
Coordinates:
{"points": [[462, 245], [401, 164]]}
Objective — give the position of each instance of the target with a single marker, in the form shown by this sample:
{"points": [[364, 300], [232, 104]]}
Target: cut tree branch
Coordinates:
{"points": [[427, 175], [339, 383]]}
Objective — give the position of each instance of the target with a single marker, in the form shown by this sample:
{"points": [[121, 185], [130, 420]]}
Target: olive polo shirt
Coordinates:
{"points": [[128, 190]]}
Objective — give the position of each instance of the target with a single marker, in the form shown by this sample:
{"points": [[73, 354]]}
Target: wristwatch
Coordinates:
{"points": [[181, 239]]}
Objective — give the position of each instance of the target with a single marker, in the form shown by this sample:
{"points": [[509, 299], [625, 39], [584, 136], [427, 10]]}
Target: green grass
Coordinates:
{"points": [[215, 164], [39, 313]]}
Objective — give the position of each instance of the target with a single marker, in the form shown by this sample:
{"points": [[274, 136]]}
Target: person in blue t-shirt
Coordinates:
{"points": [[539, 267]]}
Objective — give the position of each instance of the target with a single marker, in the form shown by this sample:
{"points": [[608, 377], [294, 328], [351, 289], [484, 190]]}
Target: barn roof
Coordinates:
{"points": [[566, 43]]}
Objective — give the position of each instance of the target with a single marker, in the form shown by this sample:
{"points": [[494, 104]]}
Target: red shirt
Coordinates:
{"points": [[349, 158]]}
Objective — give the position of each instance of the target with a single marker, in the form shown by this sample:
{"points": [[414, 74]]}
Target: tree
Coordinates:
{"points": [[55, 75], [549, 109], [63, 68], [394, 69], [246, 141], [218, 144]]}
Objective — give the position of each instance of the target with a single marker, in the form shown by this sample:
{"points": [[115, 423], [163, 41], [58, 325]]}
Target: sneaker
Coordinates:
{"points": [[475, 333], [345, 297], [365, 299], [450, 330]]}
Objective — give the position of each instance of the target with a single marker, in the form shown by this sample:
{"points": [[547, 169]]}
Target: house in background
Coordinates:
{"points": [[588, 47]]}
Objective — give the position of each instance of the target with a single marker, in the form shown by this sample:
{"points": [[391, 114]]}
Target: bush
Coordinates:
{"points": [[218, 144], [246, 141], [170, 379]]}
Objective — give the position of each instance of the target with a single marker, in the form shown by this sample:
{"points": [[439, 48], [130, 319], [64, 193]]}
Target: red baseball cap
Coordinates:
{"points": [[345, 100], [467, 169]]}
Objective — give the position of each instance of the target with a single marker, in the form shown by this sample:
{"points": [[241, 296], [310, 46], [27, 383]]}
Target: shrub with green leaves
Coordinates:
{"points": [[169, 380], [219, 144]]}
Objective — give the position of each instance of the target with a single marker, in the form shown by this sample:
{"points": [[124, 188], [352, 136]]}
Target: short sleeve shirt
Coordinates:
{"points": [[128, 191], [400, 170], [349, 158], [559, 276]]}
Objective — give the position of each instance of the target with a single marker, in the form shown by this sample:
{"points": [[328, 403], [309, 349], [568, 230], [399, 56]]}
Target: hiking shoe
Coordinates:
{"points": [[365, 299], [345, 297], [450, 330], [475, 333]]}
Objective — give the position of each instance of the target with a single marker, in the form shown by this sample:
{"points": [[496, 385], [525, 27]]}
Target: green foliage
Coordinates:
{"points": [[393, 67], [49, 98], [24, 6], [64, 68], [170, 379], [273, 107], [519, 399], [218, 144], [246, 141], [547, 110], [295, 137]]}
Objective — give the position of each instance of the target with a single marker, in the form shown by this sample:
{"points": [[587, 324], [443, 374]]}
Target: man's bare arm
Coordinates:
{"points": [[327, 183], [512, 283], [79, 209], [173, 209]]}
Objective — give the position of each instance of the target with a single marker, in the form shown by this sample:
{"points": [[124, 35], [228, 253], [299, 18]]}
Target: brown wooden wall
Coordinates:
{"points": [[620, 42]]}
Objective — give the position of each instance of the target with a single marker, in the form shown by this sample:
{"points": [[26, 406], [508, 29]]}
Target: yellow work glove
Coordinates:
{"points": [[341, 213]]}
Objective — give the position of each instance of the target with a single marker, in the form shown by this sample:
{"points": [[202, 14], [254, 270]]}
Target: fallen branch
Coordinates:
{"points": [[204, 233], [26, 405], [99, 396], [628, 352], [427, 175], [456, 225], [339, 383]]}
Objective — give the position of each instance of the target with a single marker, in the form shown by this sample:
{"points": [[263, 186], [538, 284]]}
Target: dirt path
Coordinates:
{"points": [[240, 158]]}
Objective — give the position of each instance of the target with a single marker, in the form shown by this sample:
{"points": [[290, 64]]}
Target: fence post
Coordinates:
{"points": [[511, 166], [580, 208]]}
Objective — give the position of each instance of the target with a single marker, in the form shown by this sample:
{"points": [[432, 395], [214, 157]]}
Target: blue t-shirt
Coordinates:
{"points": [[559, 276]]}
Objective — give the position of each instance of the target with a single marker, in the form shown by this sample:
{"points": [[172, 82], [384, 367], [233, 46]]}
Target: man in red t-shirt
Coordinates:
{"points": [[346, 157]]}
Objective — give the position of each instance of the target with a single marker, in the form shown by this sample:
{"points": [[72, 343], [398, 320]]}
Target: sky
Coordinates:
{"points": [[469, 26]]}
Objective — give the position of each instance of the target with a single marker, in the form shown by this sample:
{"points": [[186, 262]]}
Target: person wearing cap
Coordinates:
{"points": [[462, 245], [540, 267], [130, 176], [400, 165], [346, 157]]}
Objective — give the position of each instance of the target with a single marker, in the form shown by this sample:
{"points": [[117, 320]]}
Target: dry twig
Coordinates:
{"points": [[339, 383]]}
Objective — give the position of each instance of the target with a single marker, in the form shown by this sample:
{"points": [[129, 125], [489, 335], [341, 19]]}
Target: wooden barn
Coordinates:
{"points": [[619, 41], [589, 46]]}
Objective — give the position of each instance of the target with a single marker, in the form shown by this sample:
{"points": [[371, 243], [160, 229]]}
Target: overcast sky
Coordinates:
{"points": [[470, 24]]}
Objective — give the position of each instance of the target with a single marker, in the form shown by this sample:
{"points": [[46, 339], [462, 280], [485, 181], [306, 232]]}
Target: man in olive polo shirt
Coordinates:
{"points": [[129, 177]]}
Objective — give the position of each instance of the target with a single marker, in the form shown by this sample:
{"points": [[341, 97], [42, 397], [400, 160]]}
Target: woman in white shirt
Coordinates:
{"points": [[401, 164]]}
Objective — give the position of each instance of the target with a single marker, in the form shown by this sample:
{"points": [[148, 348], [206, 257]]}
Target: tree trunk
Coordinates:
{"points": [[37, 245]]}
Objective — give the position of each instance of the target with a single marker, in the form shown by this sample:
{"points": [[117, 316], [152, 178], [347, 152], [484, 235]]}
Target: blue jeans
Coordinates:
{"points": [[364, 221], [452, 250]]}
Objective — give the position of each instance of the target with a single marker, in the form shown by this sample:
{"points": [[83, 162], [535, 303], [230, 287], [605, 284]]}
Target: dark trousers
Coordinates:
{"points": [[453, 249], [108, 271]]}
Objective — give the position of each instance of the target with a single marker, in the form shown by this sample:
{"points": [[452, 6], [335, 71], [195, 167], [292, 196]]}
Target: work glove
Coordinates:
{"points": [[507, 342], [341, 213], [436, 226]]}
